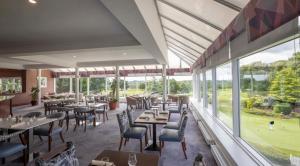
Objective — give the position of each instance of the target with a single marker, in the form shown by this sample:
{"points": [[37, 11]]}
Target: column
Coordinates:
{"points": [[88, 85], [235, 97], [77, 76], [106, 85], [54, 85], [124, 86], [168, 84], [118, 82], [39, 86], [71, 85], [214, 91], [164, 82], [199, 87], [146, 84]]}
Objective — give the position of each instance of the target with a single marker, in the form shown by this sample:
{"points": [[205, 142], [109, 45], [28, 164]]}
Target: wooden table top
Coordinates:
{"points": [[92, 105], [147, 117], [120, 158]]}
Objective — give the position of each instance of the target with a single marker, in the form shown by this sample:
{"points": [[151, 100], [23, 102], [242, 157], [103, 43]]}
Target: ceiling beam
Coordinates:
{"points": [[196, 56], [168, 36], [187, 28], [182, 52], [185, 37], [193, 16], [119, 63], [182, 57], [229, 5]]}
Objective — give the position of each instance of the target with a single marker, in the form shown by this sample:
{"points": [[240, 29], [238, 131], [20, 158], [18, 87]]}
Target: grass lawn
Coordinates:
{"points": [[276, 144]]}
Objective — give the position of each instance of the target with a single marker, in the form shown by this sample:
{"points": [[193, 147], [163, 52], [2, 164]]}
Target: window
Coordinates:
{"points": [[11, 85], [208, 81], [180, 85], [97, 85], [135, 85], [154, 84], [270, 102], [224, 94], [62, 85], [201, 84]]}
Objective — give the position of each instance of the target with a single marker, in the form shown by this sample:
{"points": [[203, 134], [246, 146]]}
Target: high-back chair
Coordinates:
{"points": [[131, 102], [69, 114], [171, 135], [176, 125], [177, 110], [128, 132], [54, 128], [84, 114], [132, 124], [8, 148]]}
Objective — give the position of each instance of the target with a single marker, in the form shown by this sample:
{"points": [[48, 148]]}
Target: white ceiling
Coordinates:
{"points": [[53, 32]]}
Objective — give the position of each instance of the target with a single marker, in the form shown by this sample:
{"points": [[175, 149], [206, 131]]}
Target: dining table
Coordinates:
{"points": [[120, 158], [27, 125], [154, 118]]}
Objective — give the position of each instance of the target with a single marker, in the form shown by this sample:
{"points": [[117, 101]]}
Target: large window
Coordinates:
{"points": [[135, 85], [11, 85], [224, 94], [154, 84], [201, 84], [270, 102], [208, 79], [97, 85], [62, 85], [180, 85]]}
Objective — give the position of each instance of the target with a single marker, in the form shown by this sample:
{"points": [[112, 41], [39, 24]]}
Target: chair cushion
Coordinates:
{"points": [[173, 110], [135, 132], [140, 125], [170, 135], [99, 110], [7, 149], [172, 125], [45, 131]]}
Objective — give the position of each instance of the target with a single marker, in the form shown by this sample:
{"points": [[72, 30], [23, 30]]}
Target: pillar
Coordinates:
{"points": [[77, 76], [164, 73], [88, 86], [118, 83], [39, 85], [71, 85]]}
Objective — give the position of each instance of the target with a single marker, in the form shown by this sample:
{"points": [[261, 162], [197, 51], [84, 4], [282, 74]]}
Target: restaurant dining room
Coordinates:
{"points": [[149, 82]]}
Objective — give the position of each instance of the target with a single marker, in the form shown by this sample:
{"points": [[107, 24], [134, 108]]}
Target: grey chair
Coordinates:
{"points": [[8, 148], [128, 132], [177, 110], [52, 129], [84, 114], [103, 111], [132, 124], [175, 125], [69, 114], [32, 114], [172, 135]]}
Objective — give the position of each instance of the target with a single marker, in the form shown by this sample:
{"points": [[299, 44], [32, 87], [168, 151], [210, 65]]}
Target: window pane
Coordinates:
{"points": [[208, 77], [97, 85], [62, 85], [224, 94], [180, 85], [270, 102]]}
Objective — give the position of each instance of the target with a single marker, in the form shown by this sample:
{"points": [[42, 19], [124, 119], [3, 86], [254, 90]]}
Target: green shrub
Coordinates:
{"points": [[284, 108]]}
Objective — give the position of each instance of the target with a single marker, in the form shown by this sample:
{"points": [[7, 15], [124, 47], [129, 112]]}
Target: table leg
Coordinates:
{"points": [[164, 106], [29, 139], [153, 146], [10, 107]]}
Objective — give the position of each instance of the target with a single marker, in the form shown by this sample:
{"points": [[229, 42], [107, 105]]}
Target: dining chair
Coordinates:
{"points": [[175, 125], [102, 110], [53, 128], [132, 124], [69, 114], [131, 102], [84, 114], [128, 132], [32, 114], [8, 148], [172, 135], [177, 109]]}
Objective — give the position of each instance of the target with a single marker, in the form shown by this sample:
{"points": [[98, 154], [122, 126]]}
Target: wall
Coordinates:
{"points": [[28, 81]]}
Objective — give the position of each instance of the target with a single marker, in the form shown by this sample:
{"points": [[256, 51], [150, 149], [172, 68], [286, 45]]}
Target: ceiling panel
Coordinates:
{"points": [[194, 56], [188, 21], [184, 46], [187, 57], [208, 10], [239, 3], [183, 40], [186, 33]]}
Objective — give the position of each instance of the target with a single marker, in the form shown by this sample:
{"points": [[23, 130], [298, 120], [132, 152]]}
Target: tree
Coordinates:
{"points": [[286, 86]]}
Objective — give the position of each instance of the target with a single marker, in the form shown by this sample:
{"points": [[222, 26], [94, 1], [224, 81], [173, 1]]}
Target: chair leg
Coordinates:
{"points": [[161, 147], [121, 141], [85, 126], [126, 139], [41, 138], [146, 138], [76, 124], [106, 115], [3, 160], [103, 117], [141, 146], [184, 149], [163, 143], [67, 123], [49, 143], [24, 157], [150, 131], [61, 137]]}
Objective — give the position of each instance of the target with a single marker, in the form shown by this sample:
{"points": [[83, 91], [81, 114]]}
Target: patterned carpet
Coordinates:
{"points": [[106, 136]]}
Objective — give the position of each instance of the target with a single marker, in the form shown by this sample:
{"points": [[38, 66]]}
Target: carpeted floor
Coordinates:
{"points": [[106, 136]]}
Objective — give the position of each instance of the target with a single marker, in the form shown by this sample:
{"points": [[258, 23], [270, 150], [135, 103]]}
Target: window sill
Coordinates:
{"points": [[240, 153]]}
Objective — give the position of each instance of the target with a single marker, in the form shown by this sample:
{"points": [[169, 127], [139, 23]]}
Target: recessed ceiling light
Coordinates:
{"points": [[74, 56], [32, 1]]}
